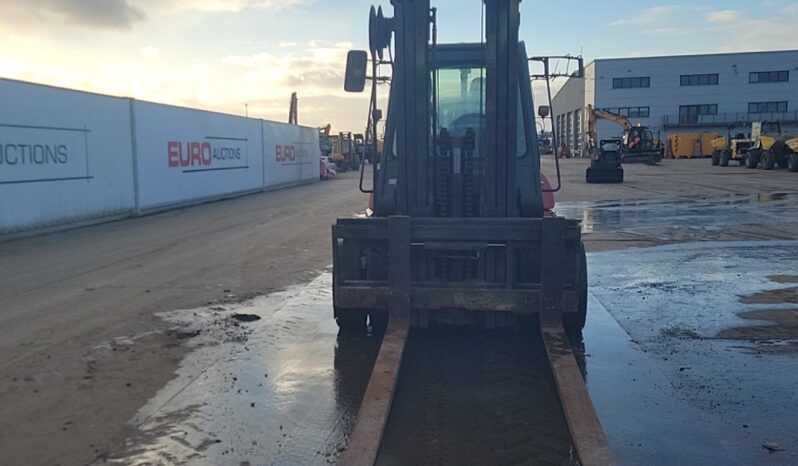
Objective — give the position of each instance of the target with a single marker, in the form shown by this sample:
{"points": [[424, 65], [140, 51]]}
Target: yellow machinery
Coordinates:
{"points": [[692, 145], [771, 147], [726, 149], [344, 152], [792, 158], [639, 143]]}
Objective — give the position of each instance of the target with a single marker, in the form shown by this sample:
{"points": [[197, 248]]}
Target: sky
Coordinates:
{"points": [[238, 56]]}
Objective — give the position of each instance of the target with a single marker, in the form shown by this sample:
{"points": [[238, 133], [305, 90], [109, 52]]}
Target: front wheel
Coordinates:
{"points": [[716, 158], [574, 322], [792, 162], [378, 321], [751, 161], [352, 321], [724, 159], [769, 160]]}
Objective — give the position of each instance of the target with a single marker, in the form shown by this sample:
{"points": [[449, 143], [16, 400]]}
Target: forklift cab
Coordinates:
{"points": [[457, 129]]}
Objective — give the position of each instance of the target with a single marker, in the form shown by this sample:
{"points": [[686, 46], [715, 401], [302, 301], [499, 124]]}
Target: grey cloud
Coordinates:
{"points": [[103, 14]]}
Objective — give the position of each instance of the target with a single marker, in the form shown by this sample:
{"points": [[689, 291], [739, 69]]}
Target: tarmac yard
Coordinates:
{"points": [[205, 336]]}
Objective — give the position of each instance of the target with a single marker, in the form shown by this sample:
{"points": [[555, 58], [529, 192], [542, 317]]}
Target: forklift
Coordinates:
{"points": [[460, 232]]}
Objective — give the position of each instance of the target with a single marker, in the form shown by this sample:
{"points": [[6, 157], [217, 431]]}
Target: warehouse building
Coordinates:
{"points": [[677, 94]]}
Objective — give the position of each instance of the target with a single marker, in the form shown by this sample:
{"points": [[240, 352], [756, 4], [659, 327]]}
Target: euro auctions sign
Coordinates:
{"points": [[209, 154], [35, 154]]}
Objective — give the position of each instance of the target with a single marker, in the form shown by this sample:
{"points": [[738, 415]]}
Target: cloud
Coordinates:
{"points": [[149, 52], [651, 15], [227, 6], [648, 15], [723, 16], [318, 69], [101, 14], [774, 33]]}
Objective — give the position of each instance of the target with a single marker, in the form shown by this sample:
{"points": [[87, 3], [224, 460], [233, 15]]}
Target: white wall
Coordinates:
{"points": [[65, 156], [291, 154], [186, 155], [69, 156]]}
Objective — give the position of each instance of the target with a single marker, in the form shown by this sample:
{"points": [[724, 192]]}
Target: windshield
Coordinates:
{"points": [[461, 105]]}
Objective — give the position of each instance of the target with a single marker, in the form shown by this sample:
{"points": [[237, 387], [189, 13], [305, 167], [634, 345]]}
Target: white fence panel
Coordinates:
{"points": [[291, 154], [65, 156], [187, 155]]}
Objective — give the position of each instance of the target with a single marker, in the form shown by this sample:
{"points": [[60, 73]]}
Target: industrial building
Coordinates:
{"points": [[687, 93]]}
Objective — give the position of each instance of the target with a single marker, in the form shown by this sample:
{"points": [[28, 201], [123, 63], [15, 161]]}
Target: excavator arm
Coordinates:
{"points": [[594, 115]]}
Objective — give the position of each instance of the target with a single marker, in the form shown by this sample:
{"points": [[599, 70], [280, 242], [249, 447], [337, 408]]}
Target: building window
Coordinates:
{"points": [[767, 107], [699, 80], [690, 113], [631, 83], [631, 112], [769, 77]]}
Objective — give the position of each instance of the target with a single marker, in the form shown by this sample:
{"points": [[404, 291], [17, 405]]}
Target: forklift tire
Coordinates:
{"points": [[769, 160], [350, 321], [716, 158], [378, 321], [574, 322], [724, 159], [792, 162]]}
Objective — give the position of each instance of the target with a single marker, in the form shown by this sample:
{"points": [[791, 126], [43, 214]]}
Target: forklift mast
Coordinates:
{"points": [[485, 162]]}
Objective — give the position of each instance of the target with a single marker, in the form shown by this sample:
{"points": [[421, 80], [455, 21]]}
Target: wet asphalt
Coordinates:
{"points": [[285, 389]]}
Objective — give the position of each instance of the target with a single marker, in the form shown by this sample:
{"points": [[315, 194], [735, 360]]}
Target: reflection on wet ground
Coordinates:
{"points": [[679, 352], [281, 390], [689, 308], [684, 219]]}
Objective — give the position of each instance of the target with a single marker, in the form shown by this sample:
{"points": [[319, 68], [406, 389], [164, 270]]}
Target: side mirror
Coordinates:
{"points": [[356, 64], [543, 111]]}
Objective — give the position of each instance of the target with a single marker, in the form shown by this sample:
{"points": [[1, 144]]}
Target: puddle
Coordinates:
{"points": [[717, 319], [277, 387], [732, 218]]}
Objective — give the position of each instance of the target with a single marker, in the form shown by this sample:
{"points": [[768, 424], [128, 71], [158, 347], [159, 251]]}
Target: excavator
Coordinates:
{"points": [[639, 143], [463, 230]]}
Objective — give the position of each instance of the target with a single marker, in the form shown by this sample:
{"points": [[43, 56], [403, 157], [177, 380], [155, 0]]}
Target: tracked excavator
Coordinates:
{"points": [[638, 142], [462, 230]]}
